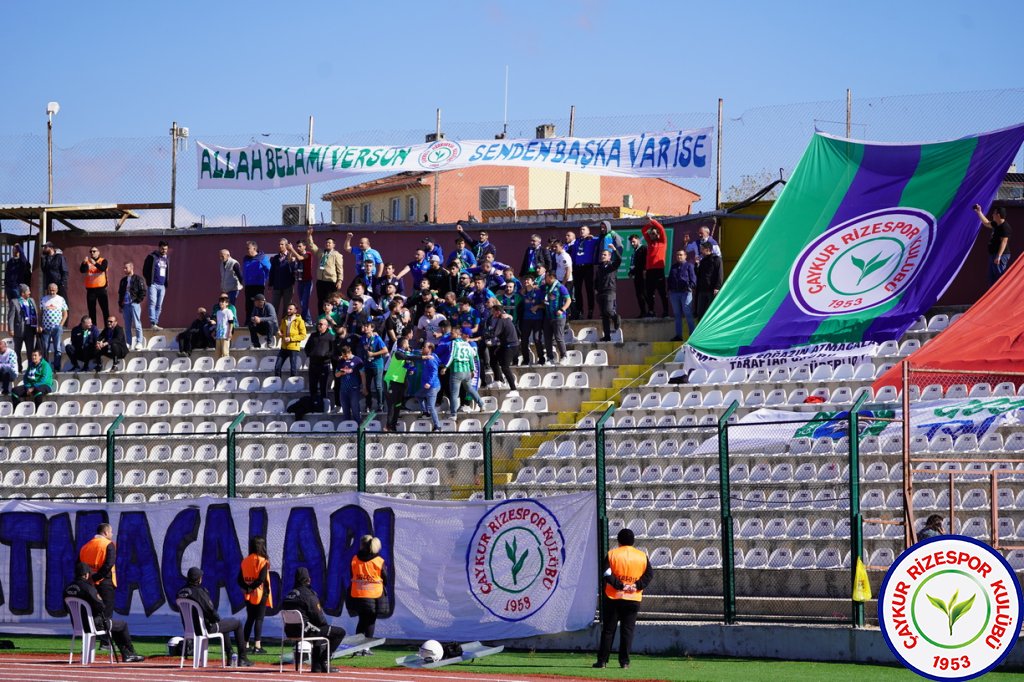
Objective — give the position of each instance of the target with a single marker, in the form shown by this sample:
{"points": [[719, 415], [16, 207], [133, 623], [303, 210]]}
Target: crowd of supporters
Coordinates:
{"points": [[441, 324]]}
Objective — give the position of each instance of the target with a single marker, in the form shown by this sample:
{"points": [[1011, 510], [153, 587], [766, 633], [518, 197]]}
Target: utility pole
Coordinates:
{"points": [[51, 110], [437, 174], [718, 160], [572, 128], [849, 112], [178, 135]]}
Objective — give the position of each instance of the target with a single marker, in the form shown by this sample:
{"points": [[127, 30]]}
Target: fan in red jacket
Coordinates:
{"points": [[654, 278]]}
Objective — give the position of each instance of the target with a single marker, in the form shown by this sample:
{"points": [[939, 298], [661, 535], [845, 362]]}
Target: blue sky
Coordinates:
{"points": [[128, 69], [374, 73]]}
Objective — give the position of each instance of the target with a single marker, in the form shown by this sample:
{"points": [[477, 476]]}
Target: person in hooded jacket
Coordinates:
{"points": [[304, 600], [82, 588], [214, 623]]}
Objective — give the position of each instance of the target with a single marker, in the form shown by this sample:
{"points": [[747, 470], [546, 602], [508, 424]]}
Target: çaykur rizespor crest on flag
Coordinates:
{"points": [[864, 238]]}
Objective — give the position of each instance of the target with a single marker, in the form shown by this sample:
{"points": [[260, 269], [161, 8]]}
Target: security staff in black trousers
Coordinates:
{"points": [[304, 600], [319, 348], [628, 573], [214, 623], [606, 284], [82, 588]]}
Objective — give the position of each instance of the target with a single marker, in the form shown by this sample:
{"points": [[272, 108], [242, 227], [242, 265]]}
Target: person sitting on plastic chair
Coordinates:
{"points": [[214, 623], [305, 601], [82, 588]]}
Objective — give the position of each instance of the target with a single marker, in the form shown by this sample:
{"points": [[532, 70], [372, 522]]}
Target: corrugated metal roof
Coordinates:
{"points": [[65, 211]]}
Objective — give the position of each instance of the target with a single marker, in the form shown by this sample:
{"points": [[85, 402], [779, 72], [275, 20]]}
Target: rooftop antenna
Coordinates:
{"points": [[504, 128]]}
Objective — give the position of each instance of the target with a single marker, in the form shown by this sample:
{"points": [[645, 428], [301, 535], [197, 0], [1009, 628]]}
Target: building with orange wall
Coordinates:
{"points": [[461, 193]]}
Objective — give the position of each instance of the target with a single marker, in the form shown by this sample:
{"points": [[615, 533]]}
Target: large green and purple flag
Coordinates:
{"points": [[864, 239]]}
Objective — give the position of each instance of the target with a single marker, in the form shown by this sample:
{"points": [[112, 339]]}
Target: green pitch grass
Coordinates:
{"points": [[670, 668]]}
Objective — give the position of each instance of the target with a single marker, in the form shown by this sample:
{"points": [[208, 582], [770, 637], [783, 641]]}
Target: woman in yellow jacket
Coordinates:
{"points": [[367, 592], [254, 578], [292, 333]]}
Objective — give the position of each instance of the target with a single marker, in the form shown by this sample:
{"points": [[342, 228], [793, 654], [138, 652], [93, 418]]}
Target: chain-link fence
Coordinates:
{"points": [[741, 521], [758, 144]]}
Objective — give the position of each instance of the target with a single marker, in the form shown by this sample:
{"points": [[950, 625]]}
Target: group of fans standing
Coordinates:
{"points": [[464, 321]]}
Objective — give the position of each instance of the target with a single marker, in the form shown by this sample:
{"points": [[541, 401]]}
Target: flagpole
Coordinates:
{"points": [[309, 218]]}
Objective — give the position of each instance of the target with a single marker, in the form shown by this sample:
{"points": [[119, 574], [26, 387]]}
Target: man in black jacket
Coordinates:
{"points": [[82, 348], [262, 320], [130, 294], [319, 348], [214, 623], [111, 343], [17, 271], [198, 335], [82, 588], [606, 286], [709, 279], [503, 344], [638, 271], [304, 600], [534, 257], [54, 268]]}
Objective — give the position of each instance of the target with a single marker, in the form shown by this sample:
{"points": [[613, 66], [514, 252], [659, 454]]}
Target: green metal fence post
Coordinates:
{"points": [[728, 560], [856, 521], [232, 427], [600, 488], [111, 444], [489, 456], [361, 452]]}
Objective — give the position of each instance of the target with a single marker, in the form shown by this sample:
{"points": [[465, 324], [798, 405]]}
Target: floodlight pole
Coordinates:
{"points": [[178, 134], [174, 168]]}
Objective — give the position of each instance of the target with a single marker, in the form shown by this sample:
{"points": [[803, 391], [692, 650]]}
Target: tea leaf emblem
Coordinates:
{"points": [[512, 552], [873, 264], [954, 611]]}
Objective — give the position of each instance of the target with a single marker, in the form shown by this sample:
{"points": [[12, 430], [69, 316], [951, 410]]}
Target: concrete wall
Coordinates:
{"points": [[839, 644]]}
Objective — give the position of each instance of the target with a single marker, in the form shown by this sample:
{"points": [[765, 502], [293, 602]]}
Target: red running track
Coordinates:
{"points": [[47, 669]]}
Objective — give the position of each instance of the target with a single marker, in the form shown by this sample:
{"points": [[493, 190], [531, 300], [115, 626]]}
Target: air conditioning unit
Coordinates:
{"points": [[296, 214], [627, 201], [496, 198]]}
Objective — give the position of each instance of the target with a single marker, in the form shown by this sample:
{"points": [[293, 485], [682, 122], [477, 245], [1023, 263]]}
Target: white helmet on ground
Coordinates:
{"points": [[431, 651]]}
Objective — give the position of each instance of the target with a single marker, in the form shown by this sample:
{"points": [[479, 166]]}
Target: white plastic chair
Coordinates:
{"points": [[83, 626], [195, 629], [292, 617]]}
